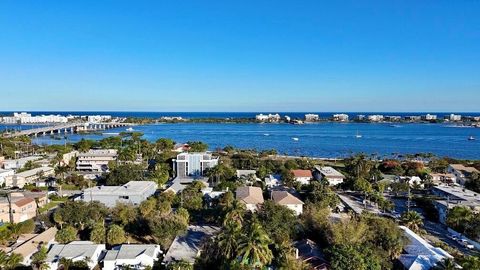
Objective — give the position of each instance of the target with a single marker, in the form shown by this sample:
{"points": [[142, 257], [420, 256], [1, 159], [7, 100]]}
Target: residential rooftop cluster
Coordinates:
{"points": [[127, 202]]}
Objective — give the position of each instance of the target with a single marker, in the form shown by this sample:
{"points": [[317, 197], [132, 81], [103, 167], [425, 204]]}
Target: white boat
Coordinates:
{"points": [[295, 138], [471, 138], [266, 134], [358, 135], [129, 129]]}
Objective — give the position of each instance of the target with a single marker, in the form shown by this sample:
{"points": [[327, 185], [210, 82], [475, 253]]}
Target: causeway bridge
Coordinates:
{"points": [[66, 128]]}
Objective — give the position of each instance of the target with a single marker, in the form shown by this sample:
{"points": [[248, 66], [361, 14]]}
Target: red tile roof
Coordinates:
{"points": [[302, 173], [23, 202]]}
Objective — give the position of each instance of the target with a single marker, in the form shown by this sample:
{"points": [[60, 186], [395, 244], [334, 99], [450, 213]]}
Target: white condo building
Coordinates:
{"points": [[194, 164]]}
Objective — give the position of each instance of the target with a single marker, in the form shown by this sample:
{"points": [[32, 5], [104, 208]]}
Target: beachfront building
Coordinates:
{"points": [[32, 177], [286, 199], [268, 118], [193, 164], [252, 197], [27, 118], [15, 164], [99, 118], [375, 118], [454, 117], [310, 117], [461, 172], [96, 160], [420, 254], [454, 196], [341, 117], [29, 244], [131, 256], [392, 118], [429, 117], [302, 176], [133, 192], [329, 174], [75, 251]]}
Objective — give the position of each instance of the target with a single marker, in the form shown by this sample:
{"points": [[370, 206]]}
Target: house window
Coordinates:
{"points": [[124, 197]]}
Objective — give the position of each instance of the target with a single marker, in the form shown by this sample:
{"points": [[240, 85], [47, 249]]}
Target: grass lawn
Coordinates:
{"points": [[49, 205]]}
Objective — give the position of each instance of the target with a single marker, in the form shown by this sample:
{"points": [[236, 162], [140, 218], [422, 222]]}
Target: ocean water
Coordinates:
{"points": [[317, 140]]}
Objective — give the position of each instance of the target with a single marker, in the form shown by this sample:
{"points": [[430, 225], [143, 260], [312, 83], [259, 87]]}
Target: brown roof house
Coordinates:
{"points": [[22, 208], [252, 197], [288, 200]]}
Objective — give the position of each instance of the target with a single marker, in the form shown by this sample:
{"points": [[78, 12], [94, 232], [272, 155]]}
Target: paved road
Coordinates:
{"points": [[437, 230]]}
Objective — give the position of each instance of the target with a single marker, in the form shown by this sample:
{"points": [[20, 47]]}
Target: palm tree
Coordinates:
{"points": [[227, 241], [253, 247], [412, 220], [13, 261], [236, 213], [64, 264]]}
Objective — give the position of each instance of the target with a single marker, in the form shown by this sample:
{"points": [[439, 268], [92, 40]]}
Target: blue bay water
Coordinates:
{"points": [[317, 140]]}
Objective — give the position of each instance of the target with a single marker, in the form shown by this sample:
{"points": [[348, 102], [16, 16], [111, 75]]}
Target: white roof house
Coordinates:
{"points": [[133, 192], [333, 176], [134, 256], [75, 251], [420, 255], [188, 247]]}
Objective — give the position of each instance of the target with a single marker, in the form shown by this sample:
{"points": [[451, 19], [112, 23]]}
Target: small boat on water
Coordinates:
{"points": [[295, 138], [395, 126], [266, 134], [129, 129], [471, 138], [358, 135]]}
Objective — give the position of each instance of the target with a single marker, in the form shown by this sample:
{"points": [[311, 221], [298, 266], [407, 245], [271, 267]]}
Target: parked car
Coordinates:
{"points": [[465, 243], [453, 237]]}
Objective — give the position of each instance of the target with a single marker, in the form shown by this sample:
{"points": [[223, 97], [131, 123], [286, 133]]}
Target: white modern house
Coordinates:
{"points": [[194, 164], [132, 256], [75, 251], [252, 197], [329, 174], [302, 176], [96, 160], [288, 200], [272, 181], [133, 192]]}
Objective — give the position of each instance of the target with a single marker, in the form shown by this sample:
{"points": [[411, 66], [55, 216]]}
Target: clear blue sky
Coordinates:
{"points": [[240, 55]]}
